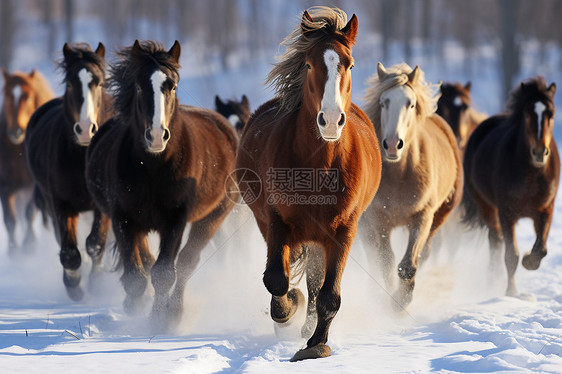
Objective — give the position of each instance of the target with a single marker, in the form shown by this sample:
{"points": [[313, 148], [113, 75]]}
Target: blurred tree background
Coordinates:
{"points": [[232, 32]]}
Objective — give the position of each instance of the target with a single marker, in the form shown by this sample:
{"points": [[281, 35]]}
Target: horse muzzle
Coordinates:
{"points": [[84, 132], [539, 156], [156, 139], [393, 148], [330, 124]]}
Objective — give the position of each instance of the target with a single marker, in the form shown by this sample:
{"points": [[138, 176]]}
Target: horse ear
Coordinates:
{"points": [[350, 30], [245, 101], [381, 71], [100, 50], [218, 102], [67, 50], [5, 73], [552, 90], [137, 48], [468, 86], [413, 76], [175, 51], [32, 74]]}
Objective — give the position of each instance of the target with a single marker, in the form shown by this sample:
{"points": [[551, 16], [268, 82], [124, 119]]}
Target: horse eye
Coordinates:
{"points": [[308, 66], [138, 88], [351, 67]]}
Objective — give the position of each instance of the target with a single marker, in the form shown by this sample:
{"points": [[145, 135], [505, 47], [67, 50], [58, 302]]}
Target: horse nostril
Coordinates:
{"points": [[400, 144], [148, 135], [546, 151], [166, 135], [321, 120], [534, 151], [384, 144], [341, 122], [77, 129], [93, 128]]}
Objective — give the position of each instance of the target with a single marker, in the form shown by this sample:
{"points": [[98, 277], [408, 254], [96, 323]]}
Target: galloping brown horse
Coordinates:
{"points": [[23, 93], [455, 106], [312, 134], [512, 170], [422, 175]]}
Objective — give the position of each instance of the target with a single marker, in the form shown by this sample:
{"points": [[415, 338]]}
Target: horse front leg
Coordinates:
{"points": [[9, 210], [542, 221], [419, 227], [163, 272], [511, 256], [329, 298], [95, 244], [70, 257], [315, 268], [134, 278]]}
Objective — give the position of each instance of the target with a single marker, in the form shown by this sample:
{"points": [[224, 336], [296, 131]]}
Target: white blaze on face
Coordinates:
{"points": [[457, 101], [331, 106], [234, 119], [539, 109], [16, 93], [87, 111], [159, 124]]}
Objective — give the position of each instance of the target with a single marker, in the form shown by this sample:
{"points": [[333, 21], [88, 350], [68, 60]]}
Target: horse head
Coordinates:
{"points": [[327, 86], [21, 98], [452, 105], [538, 117], [237, 112], [397, 111], [83, 98]]}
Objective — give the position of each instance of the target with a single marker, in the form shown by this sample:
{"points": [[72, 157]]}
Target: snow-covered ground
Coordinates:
{"points": [[459, 320]]}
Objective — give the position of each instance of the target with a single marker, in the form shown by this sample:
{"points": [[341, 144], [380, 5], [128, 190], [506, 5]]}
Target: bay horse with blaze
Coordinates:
{"points": [[312, 125], [23, 94], [512, 169], [57, 136], [422, 176], [237, 112], [155, 166]]}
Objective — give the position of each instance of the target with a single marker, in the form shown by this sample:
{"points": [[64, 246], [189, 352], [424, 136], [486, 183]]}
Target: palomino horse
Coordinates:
{"points": [[23, 93], [422, 174], [317, 159], [455, 106], [56, 141], [158, 165], [237, 112], [512, 169]]}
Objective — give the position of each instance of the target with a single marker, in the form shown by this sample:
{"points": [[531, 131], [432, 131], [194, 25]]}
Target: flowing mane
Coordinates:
{"points": [[426, 93], [124, 74], [533, 87], [83, 52], [288, 75]]}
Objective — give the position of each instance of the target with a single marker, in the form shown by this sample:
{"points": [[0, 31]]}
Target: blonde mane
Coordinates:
{"points": [[426, 93], [288, 75]]}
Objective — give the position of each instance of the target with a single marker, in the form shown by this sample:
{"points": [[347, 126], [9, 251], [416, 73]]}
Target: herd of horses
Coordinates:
{"points": [[126, 149]]}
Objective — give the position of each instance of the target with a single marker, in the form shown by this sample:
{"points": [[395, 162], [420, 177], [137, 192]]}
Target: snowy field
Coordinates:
{"points": [[459, 320]]}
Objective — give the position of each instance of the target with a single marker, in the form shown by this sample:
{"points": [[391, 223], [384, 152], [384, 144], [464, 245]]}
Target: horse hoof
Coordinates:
{"points": [[133, 305], [531, 262], [282, 309], [276, 281], [406, 272], [318, 351]]}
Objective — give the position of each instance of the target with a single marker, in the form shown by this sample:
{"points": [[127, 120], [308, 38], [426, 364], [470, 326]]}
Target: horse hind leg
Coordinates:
{"points": [[9, 210], [95, 246], [70, 257], [511, 256], [542, 221], [29, 239], [314, 279]]}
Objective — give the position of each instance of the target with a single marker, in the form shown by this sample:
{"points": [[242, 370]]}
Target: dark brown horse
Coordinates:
{"points": [[23, 93], [311, 163], [57, 136], [512, 169], [156, 166], [237, 112], [422, 174], [455, 106]]}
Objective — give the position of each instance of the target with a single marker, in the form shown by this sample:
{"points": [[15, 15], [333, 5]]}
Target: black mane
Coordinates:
{"points": [[134, 63], [82, 52], [533, 88]]}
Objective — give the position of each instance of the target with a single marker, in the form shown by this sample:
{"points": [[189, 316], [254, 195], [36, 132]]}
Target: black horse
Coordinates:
{"points": [[156, 166], [237, 112], [57, 136]]}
